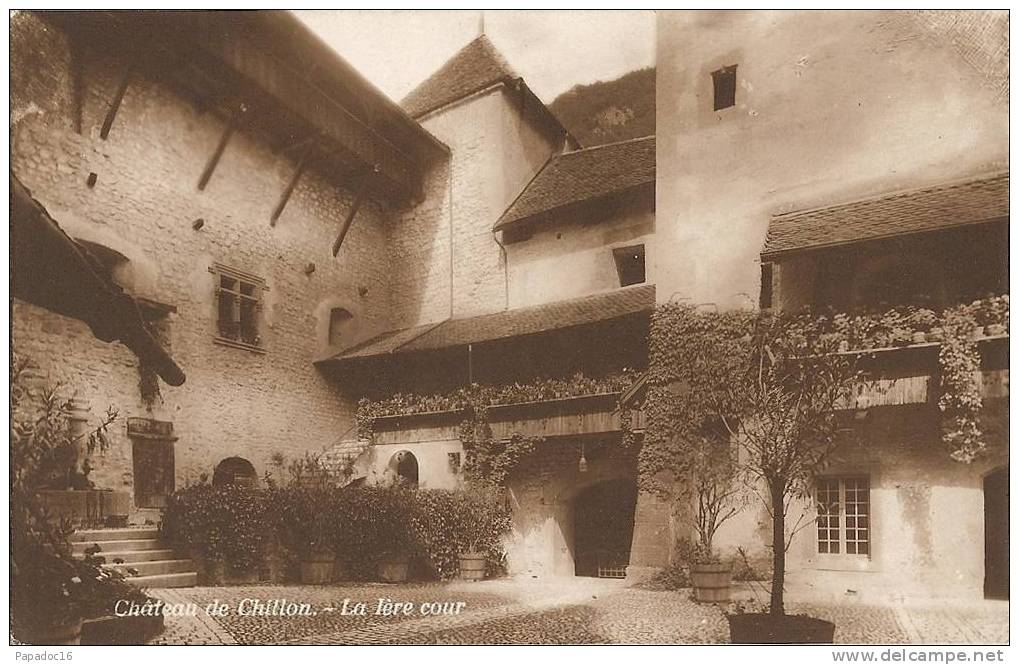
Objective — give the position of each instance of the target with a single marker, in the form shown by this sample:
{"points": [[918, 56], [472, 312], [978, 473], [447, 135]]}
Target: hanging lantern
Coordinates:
{"points": [[582, 466]]}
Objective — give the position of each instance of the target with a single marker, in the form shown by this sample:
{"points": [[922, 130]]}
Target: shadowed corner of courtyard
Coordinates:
{"points": [[547, 611]]}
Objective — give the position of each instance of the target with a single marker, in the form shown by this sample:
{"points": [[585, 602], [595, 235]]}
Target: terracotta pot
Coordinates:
{"points": [[318, 568], [919, 337], [781, 629], [936, 335], [394, 568], [472, 566], [60, 635], [978, 333], [711, 582], [996, 329]]}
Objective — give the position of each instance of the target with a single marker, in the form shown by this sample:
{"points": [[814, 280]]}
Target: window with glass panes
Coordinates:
{"points": [[843, 515], [238, 304]]}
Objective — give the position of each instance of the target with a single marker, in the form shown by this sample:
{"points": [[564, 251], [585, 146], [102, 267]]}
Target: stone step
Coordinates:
{"points": [[157, 567], [167, 581], [119, 545], [102, 535], [139, 556]]}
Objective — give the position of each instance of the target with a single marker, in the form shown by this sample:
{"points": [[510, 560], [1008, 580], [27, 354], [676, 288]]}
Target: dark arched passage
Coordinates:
{"points": [[235, 471], [405, 467], [996, 534], [603, 528]]}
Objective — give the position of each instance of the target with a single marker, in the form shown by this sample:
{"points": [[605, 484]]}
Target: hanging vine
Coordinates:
{"points": [[487, 458]]}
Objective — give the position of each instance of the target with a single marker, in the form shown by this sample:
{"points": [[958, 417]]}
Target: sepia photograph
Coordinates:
{"points": [[510, 327]]}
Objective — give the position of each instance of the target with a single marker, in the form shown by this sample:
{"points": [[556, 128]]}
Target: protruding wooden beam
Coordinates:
{"points": [[210, 167], [301, 163], [111, 114], [298, 145], [362, 191], [77, 84]]}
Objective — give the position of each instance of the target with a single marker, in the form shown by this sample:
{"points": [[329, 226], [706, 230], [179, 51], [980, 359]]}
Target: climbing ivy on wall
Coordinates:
{"points": [[693, 353]]}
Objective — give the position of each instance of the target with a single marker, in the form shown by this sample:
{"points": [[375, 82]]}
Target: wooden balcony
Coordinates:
{"points": [[910, 374], [568, 416]]}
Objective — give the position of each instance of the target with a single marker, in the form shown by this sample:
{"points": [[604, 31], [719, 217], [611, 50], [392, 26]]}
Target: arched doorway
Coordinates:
{"points": [[996, 534], [603, 528], [235, 471], [404, 467]]}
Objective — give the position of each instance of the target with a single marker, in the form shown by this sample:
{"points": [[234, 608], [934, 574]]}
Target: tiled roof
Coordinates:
{"points": [[585, 174], [473, 68], [928, 209], [510, 323]]}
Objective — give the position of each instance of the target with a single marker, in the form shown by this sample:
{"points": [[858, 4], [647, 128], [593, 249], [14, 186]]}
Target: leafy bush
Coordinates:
{"points": [[49, 586], [361, 525], [223, 524], [306, 519], [449, 523]]}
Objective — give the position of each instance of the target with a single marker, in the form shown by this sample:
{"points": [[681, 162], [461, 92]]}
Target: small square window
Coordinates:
{"points": [[630, 264], [724, 81], [238, 306]]}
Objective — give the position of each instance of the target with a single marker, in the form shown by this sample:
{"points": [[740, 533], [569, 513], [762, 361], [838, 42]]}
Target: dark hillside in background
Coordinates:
{"points": [[609, 111]]}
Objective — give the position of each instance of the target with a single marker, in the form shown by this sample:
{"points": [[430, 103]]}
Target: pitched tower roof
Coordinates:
{"points": [[475, 67]]}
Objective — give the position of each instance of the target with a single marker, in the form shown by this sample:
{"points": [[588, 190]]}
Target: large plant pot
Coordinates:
{"points": [[394, 568], [711, 582], [61, 635], [116, 508], [472, 566], [318, 568], [780, 629]]}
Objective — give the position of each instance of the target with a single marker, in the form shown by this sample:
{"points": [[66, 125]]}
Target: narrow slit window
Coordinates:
{"points": [[724, 81]]}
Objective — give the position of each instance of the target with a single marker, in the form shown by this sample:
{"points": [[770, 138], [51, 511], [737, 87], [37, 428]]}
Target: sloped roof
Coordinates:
{"points": [[584, 174], [475, 67], [931, 208], [511, 323], [51, 270]]}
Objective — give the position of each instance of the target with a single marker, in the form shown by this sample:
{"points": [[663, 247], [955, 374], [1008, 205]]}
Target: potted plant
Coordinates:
{"points": [[923, 322], [786, 417], [780, 402], [52, 592], [394, 506], [480, 520], [717, 500], [306, 528]]}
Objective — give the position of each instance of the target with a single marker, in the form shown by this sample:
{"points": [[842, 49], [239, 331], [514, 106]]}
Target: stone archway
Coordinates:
{"points": [[996, 562], [603, 518], [235, 471], [404, 468]]}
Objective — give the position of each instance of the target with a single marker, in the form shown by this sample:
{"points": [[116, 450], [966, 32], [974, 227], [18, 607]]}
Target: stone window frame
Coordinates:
{"points": [[249, 288], [863, 547]]}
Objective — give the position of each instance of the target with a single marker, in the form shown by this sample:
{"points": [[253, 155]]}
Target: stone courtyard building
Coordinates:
{"points": [[861, 160], [298, 242]]}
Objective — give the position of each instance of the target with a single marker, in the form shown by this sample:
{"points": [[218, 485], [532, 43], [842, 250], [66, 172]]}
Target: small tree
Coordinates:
{"points": [[781, 401], [716, 491], [776, 383]]}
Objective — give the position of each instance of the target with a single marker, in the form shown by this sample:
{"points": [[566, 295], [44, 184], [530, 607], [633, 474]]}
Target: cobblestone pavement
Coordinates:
{"points": [[562, 611]]}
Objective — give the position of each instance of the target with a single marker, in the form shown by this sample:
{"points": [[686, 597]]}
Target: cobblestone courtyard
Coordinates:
{"points": [[570, 611]]}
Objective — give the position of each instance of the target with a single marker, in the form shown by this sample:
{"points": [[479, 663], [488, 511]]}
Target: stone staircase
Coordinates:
{"points": [[151, 562]]}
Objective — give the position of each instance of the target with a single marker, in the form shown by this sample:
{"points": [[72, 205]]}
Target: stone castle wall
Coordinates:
{"points": [[143, 204]]}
